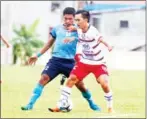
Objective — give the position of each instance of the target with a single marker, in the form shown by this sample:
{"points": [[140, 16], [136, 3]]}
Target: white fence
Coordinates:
{"points": [[127, 60], [116, 59]]}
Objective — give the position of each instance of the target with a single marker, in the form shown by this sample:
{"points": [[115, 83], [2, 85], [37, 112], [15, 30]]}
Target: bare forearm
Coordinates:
{"points": [[46, 46], [106, 44], [103, 41]]}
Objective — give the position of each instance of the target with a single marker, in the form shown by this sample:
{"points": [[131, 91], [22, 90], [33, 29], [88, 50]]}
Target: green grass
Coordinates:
{"points": [[18, 82]]}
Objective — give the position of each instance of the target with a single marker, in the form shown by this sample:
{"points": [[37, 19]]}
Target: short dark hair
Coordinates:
{"points": [[69, 10], [85, 14]]}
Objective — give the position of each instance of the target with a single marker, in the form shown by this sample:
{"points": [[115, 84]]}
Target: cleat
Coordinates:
{"points": [[54, 109], [28, 107], [94, 106], [110, 110]]}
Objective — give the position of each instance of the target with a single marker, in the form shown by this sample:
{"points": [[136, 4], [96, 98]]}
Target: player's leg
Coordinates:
{"points": [[87, 95], [66, 91], [81, 86], [77, 74], [63, 80], [49, 73], [103, 80]]}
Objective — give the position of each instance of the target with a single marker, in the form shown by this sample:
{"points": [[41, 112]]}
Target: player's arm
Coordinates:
{"points": [[101, 40], [52, 37], [5, 42], [46, 46], [33, 59], [72, 28], [78, 52]]}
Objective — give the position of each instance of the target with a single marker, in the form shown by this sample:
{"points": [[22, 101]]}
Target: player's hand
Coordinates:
{"points": [[32, 60], [71, 28], [110, 48]]}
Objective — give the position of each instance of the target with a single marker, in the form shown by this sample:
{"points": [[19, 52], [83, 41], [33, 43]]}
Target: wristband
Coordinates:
{"points": [[39, 54]]}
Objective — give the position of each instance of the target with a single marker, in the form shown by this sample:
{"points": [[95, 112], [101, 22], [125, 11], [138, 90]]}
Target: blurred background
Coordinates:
{"points": [[121, 22]]}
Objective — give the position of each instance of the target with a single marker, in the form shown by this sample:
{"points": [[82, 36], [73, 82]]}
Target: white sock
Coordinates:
{"points": [[65, 92], [109, 99]]}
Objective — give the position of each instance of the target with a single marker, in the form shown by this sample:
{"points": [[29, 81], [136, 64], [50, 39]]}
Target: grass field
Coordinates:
{"points": [[18, 83]]}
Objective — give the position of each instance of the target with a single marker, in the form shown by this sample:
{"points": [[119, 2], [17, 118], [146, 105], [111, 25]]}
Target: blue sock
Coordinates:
{"points": [[87, 95], [36, 94]]}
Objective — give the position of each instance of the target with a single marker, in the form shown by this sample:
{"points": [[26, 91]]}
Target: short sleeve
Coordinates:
{"points": [[53, 33], [98, 36]]}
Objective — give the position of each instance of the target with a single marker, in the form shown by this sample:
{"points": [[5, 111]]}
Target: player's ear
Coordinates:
{"points": [[86, 20]]}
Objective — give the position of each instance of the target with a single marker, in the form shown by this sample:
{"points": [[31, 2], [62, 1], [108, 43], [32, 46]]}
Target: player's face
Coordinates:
{"points": [[68, 19], [80, 21]]}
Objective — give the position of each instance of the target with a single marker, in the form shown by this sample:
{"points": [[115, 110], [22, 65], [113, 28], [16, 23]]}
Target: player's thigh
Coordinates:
{"points": [[51, 69], [80, 71], [101, 73]]}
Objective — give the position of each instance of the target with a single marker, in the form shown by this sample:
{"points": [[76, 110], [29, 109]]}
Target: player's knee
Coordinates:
{"points": [[73, 78], [104, 85], [44, 79], [103, 80]]}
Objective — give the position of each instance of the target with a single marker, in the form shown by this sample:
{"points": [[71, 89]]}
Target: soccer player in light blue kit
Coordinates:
{"points": [[62, 60]]}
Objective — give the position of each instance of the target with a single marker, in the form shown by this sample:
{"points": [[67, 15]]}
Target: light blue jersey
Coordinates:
{"points": [[61, 49]]}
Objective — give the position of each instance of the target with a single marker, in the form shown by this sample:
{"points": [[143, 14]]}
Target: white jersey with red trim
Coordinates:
{"points": [[92, 51]]}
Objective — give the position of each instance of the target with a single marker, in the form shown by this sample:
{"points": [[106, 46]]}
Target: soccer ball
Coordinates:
{"points": [[65, 105]]}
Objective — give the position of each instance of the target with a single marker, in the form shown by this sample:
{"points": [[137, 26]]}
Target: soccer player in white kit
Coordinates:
{"points": [[90, 58]]}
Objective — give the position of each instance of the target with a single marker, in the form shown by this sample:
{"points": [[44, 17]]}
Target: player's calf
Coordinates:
{"points": [[104, 82]]}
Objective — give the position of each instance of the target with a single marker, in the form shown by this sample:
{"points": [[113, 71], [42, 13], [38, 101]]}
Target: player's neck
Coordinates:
{"points": [[85, 29]]}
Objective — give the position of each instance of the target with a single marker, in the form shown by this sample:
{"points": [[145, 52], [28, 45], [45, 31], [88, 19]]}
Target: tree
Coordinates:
{"points": [[26, 42]]}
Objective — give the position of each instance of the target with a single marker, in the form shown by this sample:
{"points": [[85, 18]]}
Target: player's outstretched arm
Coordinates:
{"points": [[33, 59], [47, 45], [105, 43]]}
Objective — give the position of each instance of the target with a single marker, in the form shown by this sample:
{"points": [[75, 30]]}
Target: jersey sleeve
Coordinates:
{"points": [[53, 33]]}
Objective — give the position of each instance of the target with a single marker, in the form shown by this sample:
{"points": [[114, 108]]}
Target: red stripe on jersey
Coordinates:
{"points": [[100, 38], [93, 59], [96, 45], [93, 54], [87, 40]]}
